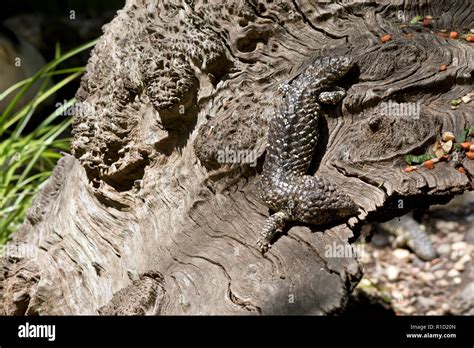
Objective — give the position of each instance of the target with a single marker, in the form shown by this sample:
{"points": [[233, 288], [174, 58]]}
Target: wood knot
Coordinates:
{"points": [[374, 123]]}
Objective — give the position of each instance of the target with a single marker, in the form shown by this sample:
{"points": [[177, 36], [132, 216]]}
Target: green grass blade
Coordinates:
{"points": [[48, 67], [23, 112]]}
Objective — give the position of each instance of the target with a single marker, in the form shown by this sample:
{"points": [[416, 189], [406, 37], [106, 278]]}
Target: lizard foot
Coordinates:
{"points": [[273, 225]]}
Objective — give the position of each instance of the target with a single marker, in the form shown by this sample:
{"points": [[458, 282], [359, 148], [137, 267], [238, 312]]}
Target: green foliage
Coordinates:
{"points": [[416, 19], [28, 157], [456, 102], [461, 138], [410, 159]]}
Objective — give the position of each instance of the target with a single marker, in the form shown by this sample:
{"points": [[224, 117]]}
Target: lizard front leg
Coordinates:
{"points": [[332, 96]]}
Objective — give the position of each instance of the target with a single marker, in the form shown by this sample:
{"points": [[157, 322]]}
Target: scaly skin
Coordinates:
{"points": [[292, 138]]}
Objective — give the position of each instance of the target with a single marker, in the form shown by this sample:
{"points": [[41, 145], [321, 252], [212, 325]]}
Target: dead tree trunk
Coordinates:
{"points": [[144, 219]]}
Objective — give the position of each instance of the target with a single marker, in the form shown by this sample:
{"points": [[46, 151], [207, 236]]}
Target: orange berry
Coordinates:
{"points": [[386, 38], [428, 164], [466, 145], [470, 155], [453, 35], [442, 67]]}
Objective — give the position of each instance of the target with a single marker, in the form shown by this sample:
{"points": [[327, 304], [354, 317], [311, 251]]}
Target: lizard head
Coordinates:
{"points": [[334, 68]]}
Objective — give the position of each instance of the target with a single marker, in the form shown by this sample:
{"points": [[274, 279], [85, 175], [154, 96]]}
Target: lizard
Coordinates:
{"points": [[407, 231], [292, 138]]}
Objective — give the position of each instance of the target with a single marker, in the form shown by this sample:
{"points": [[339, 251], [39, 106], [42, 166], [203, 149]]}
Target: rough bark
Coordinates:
{"points": [[143, 219]]}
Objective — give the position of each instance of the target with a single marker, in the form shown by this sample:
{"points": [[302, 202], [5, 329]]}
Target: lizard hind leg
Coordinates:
{"points": [[273, 225]]}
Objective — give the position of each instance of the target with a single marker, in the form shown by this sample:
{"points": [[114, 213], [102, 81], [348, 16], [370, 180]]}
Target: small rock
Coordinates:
{"points": [[443, 249], [457, 280], [366, 258], [365, 283], [401, 254], [426, 277], [448, 265], [437, 264], [448, 136], [460, 264], [392, 272], [455, 255], [459, 245], [409, 310], [454, 236], [466, 99], [373, 281], [453, 273], [426, 302], [447, 146], [440, 273], [442, 283], [432, 312], [466, 258], [447, 226], [445, 308], [397, 295]]}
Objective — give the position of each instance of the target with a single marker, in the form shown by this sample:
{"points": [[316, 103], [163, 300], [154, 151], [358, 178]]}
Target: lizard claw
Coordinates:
{"points": [[263, 246]]}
